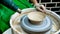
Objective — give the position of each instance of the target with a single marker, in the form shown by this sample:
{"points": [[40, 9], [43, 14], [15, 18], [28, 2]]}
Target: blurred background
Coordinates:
{"points": [[53, 5]]}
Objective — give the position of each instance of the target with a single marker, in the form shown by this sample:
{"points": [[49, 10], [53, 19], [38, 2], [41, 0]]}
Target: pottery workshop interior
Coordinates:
{"points": [[30, 17]]}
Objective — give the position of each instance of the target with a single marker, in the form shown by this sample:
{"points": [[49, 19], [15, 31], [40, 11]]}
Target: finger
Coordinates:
{"points": [[42, 6], [40, 9], [44, 9]]}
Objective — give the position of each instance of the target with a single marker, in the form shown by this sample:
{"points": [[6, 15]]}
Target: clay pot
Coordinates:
{"points": [[36, 17]]}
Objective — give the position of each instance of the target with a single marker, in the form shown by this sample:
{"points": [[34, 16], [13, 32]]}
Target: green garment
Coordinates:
{"points": [[5, 13]]}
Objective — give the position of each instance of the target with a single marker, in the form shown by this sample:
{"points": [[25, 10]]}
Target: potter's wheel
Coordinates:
{"points": [[54, 18], [41, 27]]}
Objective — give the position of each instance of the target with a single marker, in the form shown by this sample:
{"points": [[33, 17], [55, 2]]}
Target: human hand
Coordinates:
{"points": [[40, 7]]}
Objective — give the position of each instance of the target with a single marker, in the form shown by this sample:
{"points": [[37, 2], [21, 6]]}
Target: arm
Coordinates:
{"points": [[38, 6], [10, 4], [34, 1]]}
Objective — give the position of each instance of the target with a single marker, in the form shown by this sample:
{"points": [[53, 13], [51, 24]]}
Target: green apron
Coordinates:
{"points": [[5, 13]]}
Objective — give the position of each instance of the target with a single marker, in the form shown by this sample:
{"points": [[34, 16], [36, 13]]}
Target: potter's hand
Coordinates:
{"points": [[19, 10], [40, 7]]}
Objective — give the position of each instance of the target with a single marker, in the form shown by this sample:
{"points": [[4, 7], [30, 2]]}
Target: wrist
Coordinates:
{"points": [[19, 10], [37, 4]]}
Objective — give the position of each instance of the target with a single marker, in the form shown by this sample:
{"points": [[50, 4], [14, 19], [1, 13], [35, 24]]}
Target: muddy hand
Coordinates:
{"points": [[40, 7]]}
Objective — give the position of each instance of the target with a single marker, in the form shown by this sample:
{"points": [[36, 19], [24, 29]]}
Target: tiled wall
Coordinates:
{"points": [[53, 5]]}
